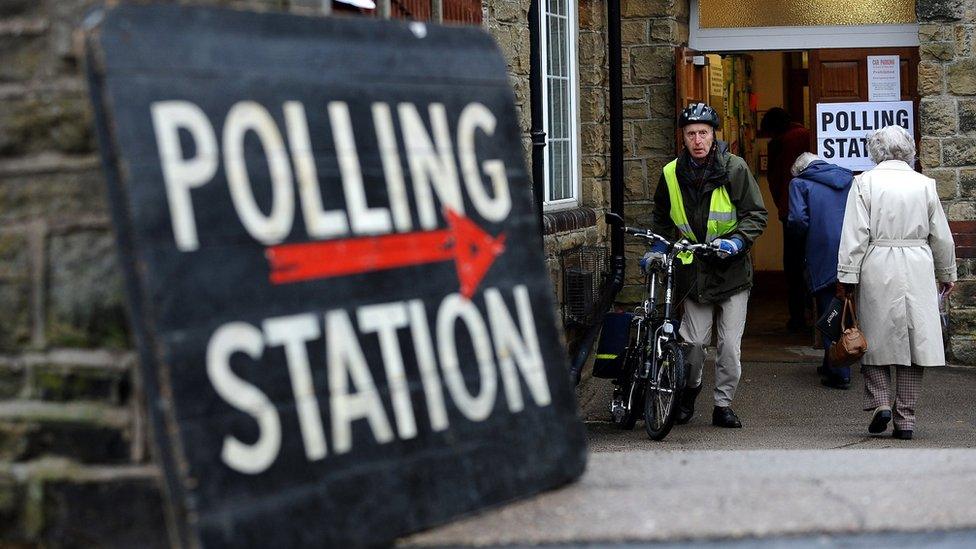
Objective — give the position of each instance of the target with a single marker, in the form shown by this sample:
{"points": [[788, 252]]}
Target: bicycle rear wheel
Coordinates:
{"points": [[631, 388], [626, 417], [661, 399]]}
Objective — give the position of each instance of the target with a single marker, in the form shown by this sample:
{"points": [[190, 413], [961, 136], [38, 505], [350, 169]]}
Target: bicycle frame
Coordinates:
{"points": [[650, 371], [652, 334]]}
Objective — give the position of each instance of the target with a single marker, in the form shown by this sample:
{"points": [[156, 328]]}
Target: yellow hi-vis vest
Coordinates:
{"points": [[722, 217]]}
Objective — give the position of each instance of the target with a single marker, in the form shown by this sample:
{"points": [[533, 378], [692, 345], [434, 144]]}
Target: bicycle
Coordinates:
{"points": [[653, 373]]}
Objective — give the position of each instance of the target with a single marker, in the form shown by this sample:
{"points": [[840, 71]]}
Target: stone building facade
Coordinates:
{"points": [[74, 460]]}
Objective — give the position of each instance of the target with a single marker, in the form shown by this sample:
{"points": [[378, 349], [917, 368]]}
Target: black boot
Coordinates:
{"points": [[686, 408], [903, 434], [723, 416]]}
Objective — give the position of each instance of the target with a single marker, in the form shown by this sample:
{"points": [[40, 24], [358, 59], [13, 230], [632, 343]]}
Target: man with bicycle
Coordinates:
{"points": [[709, 195]]}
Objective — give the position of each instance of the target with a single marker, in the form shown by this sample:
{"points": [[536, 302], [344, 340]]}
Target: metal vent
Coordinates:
{"points": [[585, 274]]}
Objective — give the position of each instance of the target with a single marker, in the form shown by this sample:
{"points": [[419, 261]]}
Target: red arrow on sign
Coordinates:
{"points": [[472, 249]]}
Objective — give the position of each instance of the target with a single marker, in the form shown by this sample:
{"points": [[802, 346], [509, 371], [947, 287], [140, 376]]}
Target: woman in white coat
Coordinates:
{"points": [[896, 246]]}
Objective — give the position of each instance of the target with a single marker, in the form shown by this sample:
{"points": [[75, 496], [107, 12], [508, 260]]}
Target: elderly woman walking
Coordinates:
{"points": [[895, 246]]}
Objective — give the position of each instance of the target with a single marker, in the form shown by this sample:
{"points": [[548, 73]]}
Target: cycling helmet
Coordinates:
{"points": [[698, 113]]}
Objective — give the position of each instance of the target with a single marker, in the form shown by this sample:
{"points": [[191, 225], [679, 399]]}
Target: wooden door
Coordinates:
{"points": [[691, 85], [841, 76]]}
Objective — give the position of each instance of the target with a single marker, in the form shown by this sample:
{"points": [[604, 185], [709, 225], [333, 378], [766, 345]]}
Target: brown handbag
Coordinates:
{"points": [[852, 345]]}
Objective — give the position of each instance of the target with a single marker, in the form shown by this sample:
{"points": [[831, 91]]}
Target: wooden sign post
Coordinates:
{"points": [[334, 273]]}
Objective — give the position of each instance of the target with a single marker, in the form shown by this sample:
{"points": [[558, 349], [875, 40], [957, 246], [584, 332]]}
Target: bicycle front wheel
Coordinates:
{"points": [[661, 399]]}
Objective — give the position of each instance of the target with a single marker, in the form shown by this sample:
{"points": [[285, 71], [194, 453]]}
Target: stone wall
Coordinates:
{"points": [[594, 107], [947, 86], [651, 29], [507, 21], [74, 463]]}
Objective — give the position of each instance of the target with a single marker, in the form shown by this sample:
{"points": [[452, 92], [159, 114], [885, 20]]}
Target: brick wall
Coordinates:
{"points": [[947, 85]]}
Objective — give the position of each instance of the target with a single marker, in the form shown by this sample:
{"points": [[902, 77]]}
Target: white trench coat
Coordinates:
{"points": [[896, 244]]}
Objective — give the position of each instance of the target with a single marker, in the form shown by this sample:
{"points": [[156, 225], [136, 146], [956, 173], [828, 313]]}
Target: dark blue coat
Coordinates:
{"points": [[818, 197]]}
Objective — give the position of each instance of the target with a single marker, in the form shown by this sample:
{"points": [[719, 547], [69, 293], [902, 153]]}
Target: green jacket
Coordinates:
{"points": [[710, 279]]}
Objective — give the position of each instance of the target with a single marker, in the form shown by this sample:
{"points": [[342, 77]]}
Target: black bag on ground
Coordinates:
{"points": [[829, 323], [613, 344]]}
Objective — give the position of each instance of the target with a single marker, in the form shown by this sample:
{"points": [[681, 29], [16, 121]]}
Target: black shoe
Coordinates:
{"points": [[686, 409], [880, 419], [723, 416], [903, 434], [836, 383]]}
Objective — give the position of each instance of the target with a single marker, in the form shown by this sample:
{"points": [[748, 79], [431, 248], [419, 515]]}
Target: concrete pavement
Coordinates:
{"points": [[783, 406], [668, 496], [803, 465]]}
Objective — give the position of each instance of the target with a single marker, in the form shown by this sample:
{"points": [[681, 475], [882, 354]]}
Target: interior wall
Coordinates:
{"points": [[767, 83]]}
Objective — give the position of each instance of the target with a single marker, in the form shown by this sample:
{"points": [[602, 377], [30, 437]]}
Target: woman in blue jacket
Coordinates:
{"points": [[818, 197]]}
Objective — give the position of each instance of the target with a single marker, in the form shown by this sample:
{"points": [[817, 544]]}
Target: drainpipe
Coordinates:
{"points": [[536, 132], [616, 188], [616, 129]]}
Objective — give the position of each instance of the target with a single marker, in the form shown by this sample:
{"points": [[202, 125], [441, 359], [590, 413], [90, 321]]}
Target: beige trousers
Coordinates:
{"points": [[696, 329]]}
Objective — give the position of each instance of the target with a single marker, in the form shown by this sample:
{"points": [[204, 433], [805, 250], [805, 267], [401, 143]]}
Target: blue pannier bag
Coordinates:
{"points": [[613, 344]]}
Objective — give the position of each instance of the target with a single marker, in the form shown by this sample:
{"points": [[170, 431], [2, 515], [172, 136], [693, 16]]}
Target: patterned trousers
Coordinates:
{"points": [[877, 391]]}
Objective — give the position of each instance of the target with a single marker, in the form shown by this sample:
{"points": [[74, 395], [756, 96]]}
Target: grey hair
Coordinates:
{"points": [[891, 143], [802, 162]]}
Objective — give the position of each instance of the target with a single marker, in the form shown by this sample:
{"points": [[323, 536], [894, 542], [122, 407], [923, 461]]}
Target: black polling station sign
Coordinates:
{"points": [[335, 276]]}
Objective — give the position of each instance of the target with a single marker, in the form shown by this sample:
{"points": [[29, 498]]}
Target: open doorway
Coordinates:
{"points": [[743, 86]]}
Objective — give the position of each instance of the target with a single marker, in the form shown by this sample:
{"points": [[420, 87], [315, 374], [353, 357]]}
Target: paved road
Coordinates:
{"points": [[803, 465]]}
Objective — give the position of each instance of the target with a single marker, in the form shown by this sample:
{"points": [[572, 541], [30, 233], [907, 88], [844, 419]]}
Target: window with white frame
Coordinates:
{"points": [[560, 101]]}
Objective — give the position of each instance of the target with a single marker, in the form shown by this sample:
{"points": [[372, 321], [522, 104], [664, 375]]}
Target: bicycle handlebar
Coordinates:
{"points": [[681, 245], [645, 233]]}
